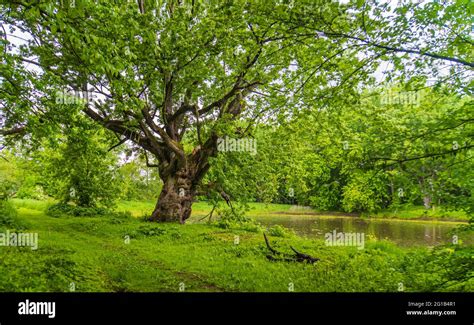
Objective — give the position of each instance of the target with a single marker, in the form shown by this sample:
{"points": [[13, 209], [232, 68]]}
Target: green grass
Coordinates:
{"points": [[419, 212], [93, 253], [145, 208], [201, 209]]}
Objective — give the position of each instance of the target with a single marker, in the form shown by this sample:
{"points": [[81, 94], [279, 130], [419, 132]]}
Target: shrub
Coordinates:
{"points": [[62, 209], [9, 217], [280, 231], [150, 230], [235, 218]]}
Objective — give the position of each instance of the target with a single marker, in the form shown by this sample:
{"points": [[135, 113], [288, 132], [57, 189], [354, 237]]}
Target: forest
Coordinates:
{"points": [[236, 146]]}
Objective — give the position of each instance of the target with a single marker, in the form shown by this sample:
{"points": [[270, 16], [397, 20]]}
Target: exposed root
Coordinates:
{"points": [[297, 257]]}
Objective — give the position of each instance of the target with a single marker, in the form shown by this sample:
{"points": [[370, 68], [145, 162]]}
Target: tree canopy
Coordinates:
{"points": [[171, 78]]}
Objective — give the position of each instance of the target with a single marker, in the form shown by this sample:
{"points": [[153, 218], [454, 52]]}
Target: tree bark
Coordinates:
{"points": [[176, 198], [427, 201]]}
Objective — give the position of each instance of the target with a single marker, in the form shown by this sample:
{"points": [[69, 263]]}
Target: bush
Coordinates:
{"points": [[9, 216], [78, 168], [280, 231], [62, 209], [235, 218], [150, 230]]}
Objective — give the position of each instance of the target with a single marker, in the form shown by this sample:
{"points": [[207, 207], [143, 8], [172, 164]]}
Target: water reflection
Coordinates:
{"points": [[404, 233]]}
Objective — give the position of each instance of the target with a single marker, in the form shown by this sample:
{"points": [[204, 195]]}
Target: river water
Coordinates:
{"points": [[402, 232]]}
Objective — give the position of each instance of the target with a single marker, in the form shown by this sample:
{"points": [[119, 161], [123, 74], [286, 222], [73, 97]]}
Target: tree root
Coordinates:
{"points": [[297, 257]]}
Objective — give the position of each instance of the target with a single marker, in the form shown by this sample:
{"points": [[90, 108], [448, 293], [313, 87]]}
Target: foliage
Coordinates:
{"points": [[8, 187], [364, 192], [63, 209], [366, 157], [235, 217], [173, 78], [9, 217], [137, 182], [280, 231], [8, 179], [79, 169], [456, 265], [47, 270]]}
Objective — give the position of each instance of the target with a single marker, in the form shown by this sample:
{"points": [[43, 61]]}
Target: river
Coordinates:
{"points": [[401, 232]]}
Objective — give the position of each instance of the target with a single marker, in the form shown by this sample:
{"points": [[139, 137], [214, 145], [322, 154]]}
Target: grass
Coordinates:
{"points": [[417, 212], [201, 209], [102, 254]]}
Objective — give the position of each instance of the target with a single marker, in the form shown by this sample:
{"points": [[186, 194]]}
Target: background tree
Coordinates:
{"points": [[80, 169], [138, 182]]}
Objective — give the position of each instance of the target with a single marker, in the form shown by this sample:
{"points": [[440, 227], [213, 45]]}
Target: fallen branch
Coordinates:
{"points": [[227, 199], [274, 252], [304, 257], [297, 257], [209, 214]]}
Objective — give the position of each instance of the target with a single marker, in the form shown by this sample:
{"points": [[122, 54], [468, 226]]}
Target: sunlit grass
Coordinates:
{"points": [[127, 254], [417, 212]]}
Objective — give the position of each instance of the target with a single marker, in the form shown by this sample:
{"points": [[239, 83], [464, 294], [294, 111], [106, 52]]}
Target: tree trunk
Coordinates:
{"points": [[181, 178], [176, 198], [427, 201]]}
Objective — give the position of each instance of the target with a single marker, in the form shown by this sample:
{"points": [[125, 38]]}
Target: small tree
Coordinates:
{"points": [[80, 169], [9, 184], [8, 180]]}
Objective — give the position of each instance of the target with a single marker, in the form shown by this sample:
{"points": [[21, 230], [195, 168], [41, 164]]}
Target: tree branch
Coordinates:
{"points": [[398, 49], [15, 130]]}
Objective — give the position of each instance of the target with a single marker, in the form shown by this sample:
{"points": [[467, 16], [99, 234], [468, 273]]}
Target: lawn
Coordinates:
{"points": [[201, 209], [125, 254], [419, 212]]}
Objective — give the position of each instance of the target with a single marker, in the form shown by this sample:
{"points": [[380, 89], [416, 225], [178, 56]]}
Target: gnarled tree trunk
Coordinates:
{"points": [[181, 176], [176, 198]]}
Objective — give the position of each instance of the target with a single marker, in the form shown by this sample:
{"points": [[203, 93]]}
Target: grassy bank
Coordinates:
{"points": [[94, 254], [201, 209], [419, 213]]}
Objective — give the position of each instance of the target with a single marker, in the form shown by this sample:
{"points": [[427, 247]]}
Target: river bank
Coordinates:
{"points": [[130, 255]]}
